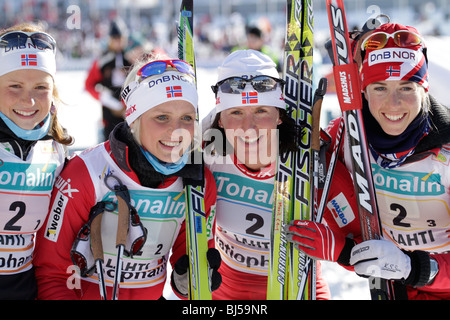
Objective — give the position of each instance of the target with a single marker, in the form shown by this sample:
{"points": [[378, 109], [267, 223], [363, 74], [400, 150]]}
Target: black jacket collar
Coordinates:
{"points": [[439, 133]]}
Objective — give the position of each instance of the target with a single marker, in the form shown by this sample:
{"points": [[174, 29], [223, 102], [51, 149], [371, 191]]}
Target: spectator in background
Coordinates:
{"points": [[256, 41], [107, 75]]}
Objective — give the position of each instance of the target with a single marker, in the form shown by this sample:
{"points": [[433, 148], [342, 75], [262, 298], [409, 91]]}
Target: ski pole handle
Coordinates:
{"points": [[122, 223], [315, 126], [96, 237], [97, 251]]}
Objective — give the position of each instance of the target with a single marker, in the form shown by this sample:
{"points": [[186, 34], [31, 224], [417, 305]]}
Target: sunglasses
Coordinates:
{"points": [[236, 85], [402, 38], [160, 66], [19, 39]]}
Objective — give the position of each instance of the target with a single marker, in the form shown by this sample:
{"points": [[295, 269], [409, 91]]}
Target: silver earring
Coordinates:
{"points": [[53, 109]]}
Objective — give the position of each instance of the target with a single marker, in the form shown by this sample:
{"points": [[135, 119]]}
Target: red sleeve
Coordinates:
{"points": [[94, 77], [333, 130], [72, 198], [341, 210], [442, 280], [342, 219], [210, 204]]}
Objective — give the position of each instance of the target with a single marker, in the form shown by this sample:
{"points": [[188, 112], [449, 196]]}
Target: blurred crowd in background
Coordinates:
{"points": [[81, 27]]}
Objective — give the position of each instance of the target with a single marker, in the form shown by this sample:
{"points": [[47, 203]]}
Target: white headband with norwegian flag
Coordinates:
{"points": [[155, 90], [248, 98], [27, 57], [248, 64]]}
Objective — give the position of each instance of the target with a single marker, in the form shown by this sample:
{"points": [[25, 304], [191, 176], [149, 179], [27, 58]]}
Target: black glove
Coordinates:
{"points": [[179, 277]]}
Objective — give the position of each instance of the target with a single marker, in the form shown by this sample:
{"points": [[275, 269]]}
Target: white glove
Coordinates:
{"points": [[380, 259], [107, 100]]}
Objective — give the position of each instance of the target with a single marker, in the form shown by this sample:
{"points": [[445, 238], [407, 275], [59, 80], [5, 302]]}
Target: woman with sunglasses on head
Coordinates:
{"points": [[32, 151], [148, 158], [250, 129], [408, 137]]}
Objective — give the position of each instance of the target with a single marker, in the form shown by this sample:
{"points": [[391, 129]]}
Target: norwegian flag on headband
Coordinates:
{"points": [[249, 97], [174, 92], [28, 60], [393, 71], [394, 62]]}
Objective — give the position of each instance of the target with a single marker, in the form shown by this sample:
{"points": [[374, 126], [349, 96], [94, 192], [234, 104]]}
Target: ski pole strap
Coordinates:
{"points": [[81, 252], [320, 91]]}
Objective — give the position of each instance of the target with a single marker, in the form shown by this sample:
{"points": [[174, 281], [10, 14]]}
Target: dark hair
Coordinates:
{"points": [[254, 31], [289, 135]]}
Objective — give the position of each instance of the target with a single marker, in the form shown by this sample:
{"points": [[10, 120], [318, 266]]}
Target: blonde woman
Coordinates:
{"points": [[147, 156]]}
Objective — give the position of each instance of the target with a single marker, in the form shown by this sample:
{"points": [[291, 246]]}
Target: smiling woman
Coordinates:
{"points": [[27, 82], [408, 135], [167, 130], [26, 97], [148, 155], [31, 150], [395, 104], [251, 130]]}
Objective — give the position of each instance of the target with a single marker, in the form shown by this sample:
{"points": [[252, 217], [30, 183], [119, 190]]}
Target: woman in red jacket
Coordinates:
{"points": [[408, 136], [243, 161], [144, 162]]}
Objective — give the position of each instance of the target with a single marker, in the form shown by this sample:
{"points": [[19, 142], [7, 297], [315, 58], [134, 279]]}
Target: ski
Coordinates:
{"points": [[293, 169], [347, 80], [303, 207], [196, 231], [308, 274]]}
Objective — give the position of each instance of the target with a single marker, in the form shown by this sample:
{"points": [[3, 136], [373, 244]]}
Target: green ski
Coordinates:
{"points": [[196, 231], [293, 175]]}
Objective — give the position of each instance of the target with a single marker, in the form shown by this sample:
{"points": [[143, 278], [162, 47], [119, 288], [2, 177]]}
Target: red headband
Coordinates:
{"points": [[393, 62]]}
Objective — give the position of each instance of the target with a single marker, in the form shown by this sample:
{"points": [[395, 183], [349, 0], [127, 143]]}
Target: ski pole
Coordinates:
{"points": [[196, 228], [121, 240], [123, 200], [315, 150], [309, 270], [315, 139], [348, 86], [97, 250]]}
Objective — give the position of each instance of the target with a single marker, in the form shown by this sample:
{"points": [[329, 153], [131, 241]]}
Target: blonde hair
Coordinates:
{"points": [[57, 131]]}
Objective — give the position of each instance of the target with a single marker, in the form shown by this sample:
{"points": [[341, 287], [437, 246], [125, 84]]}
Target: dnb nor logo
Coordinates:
{"points": [[249, 97], [28, 60], [341, 210], [174, 92]]}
